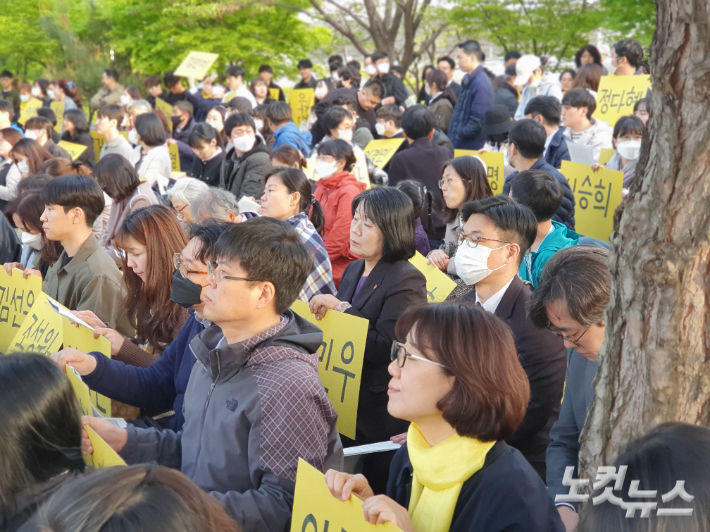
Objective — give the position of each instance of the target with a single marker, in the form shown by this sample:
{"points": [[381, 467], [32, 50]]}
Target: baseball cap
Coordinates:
{"points": [[524, 68]]}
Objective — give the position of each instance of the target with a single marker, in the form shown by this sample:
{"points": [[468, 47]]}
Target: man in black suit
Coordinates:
{"points": [[448, 66], [574, 291], [496, 234]]}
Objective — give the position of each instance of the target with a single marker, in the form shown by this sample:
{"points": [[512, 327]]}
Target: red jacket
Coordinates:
{"points": [[336, 195]]}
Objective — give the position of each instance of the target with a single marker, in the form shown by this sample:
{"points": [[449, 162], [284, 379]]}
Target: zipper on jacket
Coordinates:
{"points": [[214, 382]]}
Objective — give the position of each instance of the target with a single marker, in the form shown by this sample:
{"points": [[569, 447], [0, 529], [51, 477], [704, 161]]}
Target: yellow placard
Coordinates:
{"points": [[274, 94], [167, 109], [174, 157], [438, 284], [618, 94], [74, 150], [606, 155], [82, 338], [99, 141], [495, 161], [81, 390], [58, 108], [103, 455], [17, 297], [340, 361], [596, 196], [382, 150], [316, 510], [196, 65], [301, 102], [30, 110], [41, 331]]}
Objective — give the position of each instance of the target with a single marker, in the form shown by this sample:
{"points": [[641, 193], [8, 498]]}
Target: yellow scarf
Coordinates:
{"points": [[439, 474]]}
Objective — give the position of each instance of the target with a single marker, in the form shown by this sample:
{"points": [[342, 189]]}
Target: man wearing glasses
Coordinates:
{"points": [[574, 291], [495, 236]]}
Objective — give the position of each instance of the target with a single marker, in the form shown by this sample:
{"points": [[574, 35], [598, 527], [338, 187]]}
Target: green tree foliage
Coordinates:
{"points": [[634, 19]]}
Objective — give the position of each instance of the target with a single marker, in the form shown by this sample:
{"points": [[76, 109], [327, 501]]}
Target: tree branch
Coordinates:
{"points": [[345, 31], [355, 17]]}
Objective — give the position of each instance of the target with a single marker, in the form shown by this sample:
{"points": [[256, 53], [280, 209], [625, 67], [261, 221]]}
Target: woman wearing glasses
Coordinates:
{"points": [[463, 179], [379, 287], [182, 194], [457, 379], [120, 182]]}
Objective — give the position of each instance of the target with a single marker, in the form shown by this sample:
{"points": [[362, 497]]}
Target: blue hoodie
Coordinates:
{"points": [[561, 237], [161, 385], [290, 135]]}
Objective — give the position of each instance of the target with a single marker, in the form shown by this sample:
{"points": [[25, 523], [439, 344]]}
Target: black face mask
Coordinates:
{"points": [[184, 292], [176, 120]]}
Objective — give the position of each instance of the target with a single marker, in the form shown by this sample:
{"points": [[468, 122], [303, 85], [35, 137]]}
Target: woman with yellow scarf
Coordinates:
{"points": [[458, 380]]}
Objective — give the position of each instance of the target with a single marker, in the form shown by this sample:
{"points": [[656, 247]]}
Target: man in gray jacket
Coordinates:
{"points": [[574, 291], [254, 404]]}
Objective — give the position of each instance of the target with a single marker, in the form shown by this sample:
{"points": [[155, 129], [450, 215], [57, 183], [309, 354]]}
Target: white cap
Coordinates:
{"points": [[524, 68]]}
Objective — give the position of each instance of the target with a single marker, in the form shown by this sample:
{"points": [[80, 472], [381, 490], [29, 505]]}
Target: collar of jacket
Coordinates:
{"points": [[539, 163], [298, 337], [557, 138], [421, 142], [374, 280], [505, 307], [468, 78], [90, 245], [259, 146], [337, 180]]}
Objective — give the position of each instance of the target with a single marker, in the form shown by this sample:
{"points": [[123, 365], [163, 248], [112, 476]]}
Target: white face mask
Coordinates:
{"points": [[629, 150], [23, 168], [35, 92], [216, 124], [345, 134], [259, 124], [380, 129], [244, 143], [534, 84], [426, 90], [33, 241], [384, 68], [51, 94], [125, 99], [472, 263], [608, 65], [24, 98], [325, 169], [321, 92], [133, 136], [370, 70], [336, 77], [31, 134]]}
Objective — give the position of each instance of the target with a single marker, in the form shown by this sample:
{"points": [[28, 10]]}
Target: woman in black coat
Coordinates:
{"points": [[76, 131], [379, 287], [457, 378]]}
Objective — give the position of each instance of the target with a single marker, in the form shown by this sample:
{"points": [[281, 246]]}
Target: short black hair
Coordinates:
{"points": [[472, 47], [539, 191], [269, 250], [631, 50], [626, 125], [392, 212], [376, 56], [333, 117], [340, 151], [236, 120], [529, 138], [266, 68], [111, 111], [202, 133], [354, 63], [207, 234], [186, 107], [376, 88], [235, 71], [72, 191], [150, 128], [418, 121], [546, 106], [40, 122], [515, 223], [643, 101], [170, 79], [6, 74], [336, 58], [446, 58], [512, 54], [78, 118], [6, 107], [391, 112], [305, 63], [346, 101], [151, 81], [416, 192], [279, 112], [116, 176], [580, 98], [48, 113], [334, 67], [112, 73], [240, 103]]}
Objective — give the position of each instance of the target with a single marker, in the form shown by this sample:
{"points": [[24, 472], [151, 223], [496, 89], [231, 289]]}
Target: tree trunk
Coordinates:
{"points": [[655, 362]]}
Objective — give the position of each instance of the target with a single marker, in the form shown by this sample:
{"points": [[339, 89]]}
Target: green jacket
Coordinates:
{"points": [[106, 96], [533, 262], [90, 281]]}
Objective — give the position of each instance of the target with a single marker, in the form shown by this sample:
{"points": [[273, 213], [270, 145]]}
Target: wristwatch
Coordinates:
{"points": [[343, 306]]}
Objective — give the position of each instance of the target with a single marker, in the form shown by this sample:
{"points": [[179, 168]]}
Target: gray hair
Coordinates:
{"points": [[215, 203], [141, 104], [187, 190]]}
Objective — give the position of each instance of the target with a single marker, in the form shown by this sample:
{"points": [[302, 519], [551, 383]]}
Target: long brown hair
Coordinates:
{"points": [[59, 166], [148, 303], [34, 152], [29, 208], [475, 181], [588, 77]]}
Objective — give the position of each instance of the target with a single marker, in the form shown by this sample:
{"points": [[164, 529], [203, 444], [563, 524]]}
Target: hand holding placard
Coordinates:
{"points": [[438, 284]]}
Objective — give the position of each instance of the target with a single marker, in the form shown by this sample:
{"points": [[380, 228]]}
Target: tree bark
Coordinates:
{"points": [[655, 362]]}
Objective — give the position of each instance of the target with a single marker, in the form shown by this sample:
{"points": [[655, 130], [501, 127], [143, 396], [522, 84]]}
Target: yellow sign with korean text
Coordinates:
{"points": [[167, 109], [17, 298], [103, 455], [340, 361], [382, 150], [196, 65], [495, 161], [99, 141], [81, 390], [316, 510], [174, 157], [74, 150], [41, 331], [58, 108], [274, 93], [606, 155], [30, 110], [301, 102], [596, 196], [438, 284], [618, 94]]}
